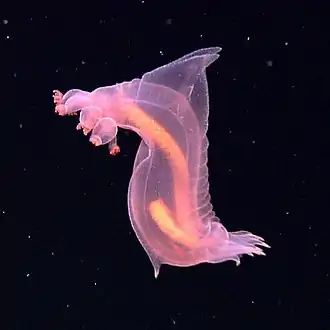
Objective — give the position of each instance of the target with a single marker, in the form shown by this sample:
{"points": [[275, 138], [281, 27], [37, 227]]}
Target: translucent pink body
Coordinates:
{"points": [[168, 198]]}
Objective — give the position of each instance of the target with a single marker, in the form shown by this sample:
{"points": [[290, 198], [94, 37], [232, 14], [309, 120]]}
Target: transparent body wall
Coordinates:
{"points": [[169, 203]]}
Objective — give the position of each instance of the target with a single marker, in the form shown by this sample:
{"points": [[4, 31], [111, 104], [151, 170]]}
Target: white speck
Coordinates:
{"points": [[67, 306], [53, 253], [229, 170], [28, 275], [83, 62], [20, 125], [253, 141], [94, 283], [7, 37], [248, 38], [201, 36], [294, 155], [286, 43], [310, 227], [230, 131], [234, 79], [5, 21], [161, 52], [15, 74], [269, 63], [57, 70], [29, 237], [142, 1], [3, 211], [252, 302], [287, 213]]}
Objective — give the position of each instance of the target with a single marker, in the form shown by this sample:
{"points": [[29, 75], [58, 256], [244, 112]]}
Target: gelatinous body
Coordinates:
{"points": [[168, 198]]}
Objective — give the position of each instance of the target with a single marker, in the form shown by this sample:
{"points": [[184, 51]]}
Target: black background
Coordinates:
{"points": [[78, 263]]}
